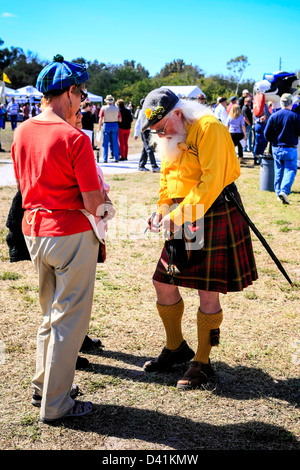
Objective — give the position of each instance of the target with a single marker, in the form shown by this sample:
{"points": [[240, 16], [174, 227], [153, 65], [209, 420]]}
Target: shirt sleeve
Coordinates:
{"points": [[84, 164], [137, 127]]}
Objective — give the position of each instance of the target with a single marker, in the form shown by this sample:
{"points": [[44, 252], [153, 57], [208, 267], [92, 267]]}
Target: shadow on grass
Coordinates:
{"points": [[179, 433], [239, 383]]}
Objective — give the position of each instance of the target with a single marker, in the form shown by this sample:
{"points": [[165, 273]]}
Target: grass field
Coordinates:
{"points": [[255, 403]]}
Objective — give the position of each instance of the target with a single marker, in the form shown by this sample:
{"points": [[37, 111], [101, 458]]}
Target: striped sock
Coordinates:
{"points": [[171, 316]]}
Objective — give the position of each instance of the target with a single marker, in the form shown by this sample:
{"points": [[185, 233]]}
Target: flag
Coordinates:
{"points": [[5, 78]]}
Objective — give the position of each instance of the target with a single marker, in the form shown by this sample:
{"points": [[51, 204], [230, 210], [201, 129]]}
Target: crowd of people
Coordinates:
{"points": [[279, 131], [207, 247]]}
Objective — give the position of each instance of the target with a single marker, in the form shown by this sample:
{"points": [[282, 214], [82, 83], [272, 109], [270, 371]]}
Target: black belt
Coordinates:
{"points": [[222, 197]]}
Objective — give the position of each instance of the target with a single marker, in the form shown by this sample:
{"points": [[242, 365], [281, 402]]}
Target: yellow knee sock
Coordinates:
{"points": [[171, 316], [207, 337]]}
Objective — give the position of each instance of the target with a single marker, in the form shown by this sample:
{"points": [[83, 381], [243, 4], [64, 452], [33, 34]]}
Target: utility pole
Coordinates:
{"points": [[279, 63]]}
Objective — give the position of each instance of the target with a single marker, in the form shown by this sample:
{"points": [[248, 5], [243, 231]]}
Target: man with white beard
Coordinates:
{"points": [[212, 254]]}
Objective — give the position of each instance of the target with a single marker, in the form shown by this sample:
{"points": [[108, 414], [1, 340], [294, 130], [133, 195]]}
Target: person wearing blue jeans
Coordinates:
{"points": [[285, 168], [283, 131], [109, 116], [110, 131], [248, 116]]}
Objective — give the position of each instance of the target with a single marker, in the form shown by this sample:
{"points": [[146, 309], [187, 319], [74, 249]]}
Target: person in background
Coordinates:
{"points": [[283, 131], [13, 111], [1, 126], [201, 98], [33, 110], [248, 116], [88, 119], [245, 94], [260, 142], [124, 129], [26, 111], [3, 113], [233, 100], [55, 169], [148, 148], [136, 114], [237, 129], [110, 116], [220, 110]]}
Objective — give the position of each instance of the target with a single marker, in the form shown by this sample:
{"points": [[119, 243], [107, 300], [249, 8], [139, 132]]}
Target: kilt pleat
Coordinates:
{"points": [[226, 262]]}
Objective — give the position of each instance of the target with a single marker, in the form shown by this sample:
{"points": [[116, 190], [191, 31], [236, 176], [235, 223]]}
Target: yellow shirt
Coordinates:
{"points": [[199, 179]]}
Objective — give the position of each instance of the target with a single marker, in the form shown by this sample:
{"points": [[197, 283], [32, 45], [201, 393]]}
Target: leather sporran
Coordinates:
{"points": [[179, 248]]}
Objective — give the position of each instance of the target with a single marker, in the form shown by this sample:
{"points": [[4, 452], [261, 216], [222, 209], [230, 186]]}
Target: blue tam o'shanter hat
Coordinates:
{"points": [[60, 74]]}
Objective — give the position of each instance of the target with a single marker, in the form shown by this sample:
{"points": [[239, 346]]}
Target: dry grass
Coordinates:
{"points": [[254, 405]]}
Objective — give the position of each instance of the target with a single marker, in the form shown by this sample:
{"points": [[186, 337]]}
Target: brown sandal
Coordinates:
{"points": [[197, 375]]}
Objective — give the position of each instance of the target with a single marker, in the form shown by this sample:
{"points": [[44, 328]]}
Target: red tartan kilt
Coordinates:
{"points": [[226, 262]]}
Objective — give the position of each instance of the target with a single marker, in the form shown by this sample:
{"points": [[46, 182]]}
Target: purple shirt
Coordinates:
{"points": [[235, 125]]}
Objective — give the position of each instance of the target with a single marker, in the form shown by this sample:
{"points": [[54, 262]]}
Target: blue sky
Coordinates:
{"points": [[203, 33]]}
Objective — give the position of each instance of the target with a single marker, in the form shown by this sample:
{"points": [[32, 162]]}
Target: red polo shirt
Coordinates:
{"points": [[55, 163]]}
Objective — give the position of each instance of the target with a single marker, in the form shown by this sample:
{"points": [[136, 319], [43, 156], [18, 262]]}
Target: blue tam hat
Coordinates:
{"points": [[60, 74], [158, 103]]}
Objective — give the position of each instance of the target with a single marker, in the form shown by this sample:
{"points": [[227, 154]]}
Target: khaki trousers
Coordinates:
{"points": [[66, 269]]}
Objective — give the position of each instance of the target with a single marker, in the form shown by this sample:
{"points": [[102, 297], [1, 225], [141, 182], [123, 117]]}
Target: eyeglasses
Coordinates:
{"points": [[84, 95], [163, 131]]}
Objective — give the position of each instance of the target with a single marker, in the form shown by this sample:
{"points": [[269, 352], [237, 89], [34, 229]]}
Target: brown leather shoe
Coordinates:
{"points": [[169, 357], [197, 375]]}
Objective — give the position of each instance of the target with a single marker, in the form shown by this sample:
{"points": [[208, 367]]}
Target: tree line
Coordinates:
{"points": [[130, 81]]}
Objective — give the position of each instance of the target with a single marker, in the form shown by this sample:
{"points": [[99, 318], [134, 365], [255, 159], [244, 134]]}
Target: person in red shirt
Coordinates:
{"points": [[55, 170]]}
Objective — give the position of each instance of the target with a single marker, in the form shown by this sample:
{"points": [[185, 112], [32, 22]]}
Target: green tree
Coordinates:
{"points": [[237, 66], [8, 56], [179, 68], [24, 70]]}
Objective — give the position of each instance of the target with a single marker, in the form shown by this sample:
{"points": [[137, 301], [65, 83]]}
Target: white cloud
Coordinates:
{"points": [[7, 15]]}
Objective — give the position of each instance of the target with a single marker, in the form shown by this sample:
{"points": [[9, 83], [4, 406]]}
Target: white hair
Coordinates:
{"points": [[192, 110]]}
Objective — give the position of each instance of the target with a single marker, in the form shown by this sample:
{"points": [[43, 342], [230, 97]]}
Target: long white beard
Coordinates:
{"points": [[166, 147]]}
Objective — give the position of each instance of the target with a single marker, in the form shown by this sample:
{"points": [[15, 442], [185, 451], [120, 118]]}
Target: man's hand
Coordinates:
{"points": [[169, 226], [153, 222]]}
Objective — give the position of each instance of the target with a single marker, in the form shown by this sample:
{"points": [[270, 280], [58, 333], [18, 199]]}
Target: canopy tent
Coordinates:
{"points": [[95, 98], [9, 91], [188, 92], [29, 92]]}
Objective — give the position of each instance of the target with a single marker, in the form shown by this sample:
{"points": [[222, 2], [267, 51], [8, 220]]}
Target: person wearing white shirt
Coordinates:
{"points": [[220, 111], [12, 111]]}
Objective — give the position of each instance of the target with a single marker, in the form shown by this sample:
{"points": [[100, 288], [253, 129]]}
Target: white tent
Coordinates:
{"points": [[188, 92], [29, 92], [10, 92], [95, 98]]}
